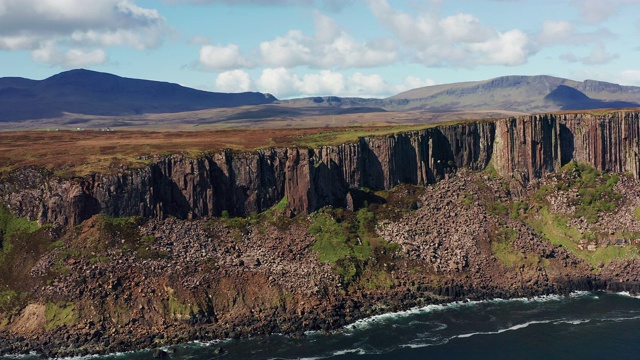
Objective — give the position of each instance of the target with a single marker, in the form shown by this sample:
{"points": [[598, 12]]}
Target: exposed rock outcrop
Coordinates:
{"points": [[526, 147]]}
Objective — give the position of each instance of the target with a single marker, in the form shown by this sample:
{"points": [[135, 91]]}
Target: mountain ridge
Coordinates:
{"points": [[95, 93], [75, 96]]}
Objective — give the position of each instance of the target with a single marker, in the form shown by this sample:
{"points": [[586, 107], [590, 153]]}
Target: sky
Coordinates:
{"points": [[362, 48]]}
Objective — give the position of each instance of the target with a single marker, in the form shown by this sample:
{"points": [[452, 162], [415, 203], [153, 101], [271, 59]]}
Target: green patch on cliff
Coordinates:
{"points": [[594, 190], [347, 240], [11, 300], [11, 226], [502, 246], [58, 314], [514, 210], [122, 233], [179, 310], [555, 229], [636, 213], [22, 243]]}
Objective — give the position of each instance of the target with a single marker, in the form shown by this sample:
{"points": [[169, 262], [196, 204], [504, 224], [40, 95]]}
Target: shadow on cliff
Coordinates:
{"points": [[170, 199], [444, 160], [372, 174], [567, 144]]}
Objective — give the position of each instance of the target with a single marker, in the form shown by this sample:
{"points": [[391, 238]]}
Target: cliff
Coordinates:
{"points": [[525, 147], [118, 284]]}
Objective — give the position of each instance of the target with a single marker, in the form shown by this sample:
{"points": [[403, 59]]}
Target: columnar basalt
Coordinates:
{"points": [[240, 183]]}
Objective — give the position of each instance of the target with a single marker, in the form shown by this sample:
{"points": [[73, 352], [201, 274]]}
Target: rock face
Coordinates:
{"points": [[526, 147], [532, 146]]}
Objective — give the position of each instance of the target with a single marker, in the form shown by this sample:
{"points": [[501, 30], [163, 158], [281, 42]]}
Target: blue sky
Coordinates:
{"points": [[365, 48]]}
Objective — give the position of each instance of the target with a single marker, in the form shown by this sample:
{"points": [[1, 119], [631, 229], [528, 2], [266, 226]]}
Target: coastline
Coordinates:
{"points": [[218, 347]]}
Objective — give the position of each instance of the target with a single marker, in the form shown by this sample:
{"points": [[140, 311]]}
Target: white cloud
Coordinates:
{"points": [[216, 57], [629, 77], [280, 82], [509, 48], [284, 83], [333, 5], [287, 51], [597, 56], [365, 85], [202, 40], [48, 27], [563, 33], [412, 82], [597, 11], [325, 82], [72, 58], [234, 81], [330, 47], [569, 57], [460, 40], [556, 32]]}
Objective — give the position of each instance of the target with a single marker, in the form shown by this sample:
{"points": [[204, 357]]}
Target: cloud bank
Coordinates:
{"points": [[71, 33]]}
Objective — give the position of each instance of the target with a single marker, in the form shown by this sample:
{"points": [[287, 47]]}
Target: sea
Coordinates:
{"points": [[583, 325]]}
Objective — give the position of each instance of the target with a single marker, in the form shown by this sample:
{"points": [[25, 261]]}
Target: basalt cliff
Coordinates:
{"points": [[285, 240], [526, 148]]}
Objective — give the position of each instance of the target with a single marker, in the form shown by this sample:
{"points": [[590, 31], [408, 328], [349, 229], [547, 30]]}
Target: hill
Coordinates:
{"points": [[95, 93], [91, 100], [529, 94]]}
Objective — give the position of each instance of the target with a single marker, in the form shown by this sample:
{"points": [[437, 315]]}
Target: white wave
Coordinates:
{"points": [[21, 356], [96, 356], [627, 294], [357, 351], [572, 322], [435, 342], [512, 328], [391, 316]]}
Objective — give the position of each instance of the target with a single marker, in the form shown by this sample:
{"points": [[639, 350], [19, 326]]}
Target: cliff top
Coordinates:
{"points": [[81, 152]]}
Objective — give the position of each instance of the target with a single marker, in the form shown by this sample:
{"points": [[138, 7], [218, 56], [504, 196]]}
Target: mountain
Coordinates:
{"points": [[527, 94], [72, 97], [94, 93]]}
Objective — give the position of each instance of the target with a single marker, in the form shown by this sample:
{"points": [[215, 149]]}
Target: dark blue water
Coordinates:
{"points": [[581, 326]]}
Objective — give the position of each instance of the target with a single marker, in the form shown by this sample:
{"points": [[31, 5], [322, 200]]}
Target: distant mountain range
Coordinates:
{"points": [[520, 93], [90, 93], [526, 94], [95, 93]]}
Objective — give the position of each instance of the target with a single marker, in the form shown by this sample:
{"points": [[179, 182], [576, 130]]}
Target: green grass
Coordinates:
{"points": [[467, 199], [22, 243], [11, 226], [596, 192], [502, 246], [636, 213], [178, 309], [554, 228], [514, 209], [10, 299], [58, 314], [348, 242]]}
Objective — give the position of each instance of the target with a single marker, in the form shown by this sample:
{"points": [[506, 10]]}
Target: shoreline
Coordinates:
{"points": [[50, 352]]}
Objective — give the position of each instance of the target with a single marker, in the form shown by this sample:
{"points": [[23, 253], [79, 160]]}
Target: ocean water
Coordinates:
{"points": [[581, 326]]}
